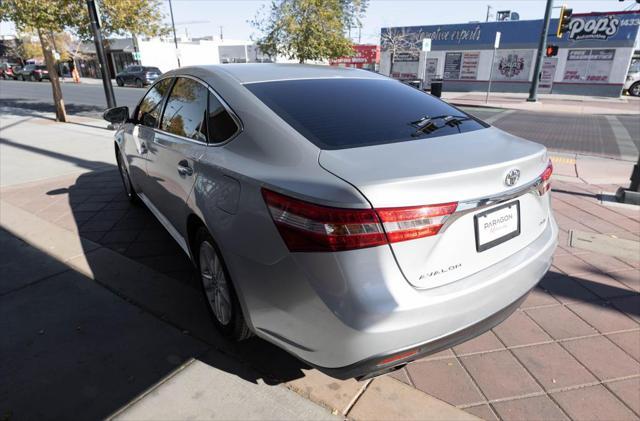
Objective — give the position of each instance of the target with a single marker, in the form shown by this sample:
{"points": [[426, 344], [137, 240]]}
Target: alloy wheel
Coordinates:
{"points": [[635, 89], [215, 283]]}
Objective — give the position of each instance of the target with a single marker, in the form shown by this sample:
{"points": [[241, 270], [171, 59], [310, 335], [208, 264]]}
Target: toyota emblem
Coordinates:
{"points": [[512, 177]]}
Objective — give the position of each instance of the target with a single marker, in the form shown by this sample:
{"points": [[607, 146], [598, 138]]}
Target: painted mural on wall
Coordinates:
{"points": [[512, 65]]}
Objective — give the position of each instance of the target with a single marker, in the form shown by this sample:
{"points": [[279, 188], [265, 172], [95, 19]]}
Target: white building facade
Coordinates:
{"points": [[593, 57]]}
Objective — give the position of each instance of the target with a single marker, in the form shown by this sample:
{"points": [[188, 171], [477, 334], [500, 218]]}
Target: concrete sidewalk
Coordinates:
{"points": [[81, 349], [116, 304], [550, 103], [543, 362]]}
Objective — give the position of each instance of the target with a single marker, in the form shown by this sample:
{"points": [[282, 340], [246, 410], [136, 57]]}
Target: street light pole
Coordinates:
{"points": [[173, 26], [542, 47], [102, 58]]}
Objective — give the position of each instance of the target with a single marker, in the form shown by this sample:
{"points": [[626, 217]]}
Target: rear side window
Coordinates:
{"points": [[221, 124], [349, 113], [151, 106], [186, 111]]}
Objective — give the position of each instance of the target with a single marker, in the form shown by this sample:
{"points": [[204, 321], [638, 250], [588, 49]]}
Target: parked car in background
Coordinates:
{"points": [[346, 217], [33, 72], [632, 83], [138, 76], [7, 70]]}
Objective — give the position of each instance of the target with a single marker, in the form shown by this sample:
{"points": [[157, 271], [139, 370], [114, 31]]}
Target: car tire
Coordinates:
{"points": [[218, 290], [119, 82], [129, 190], [634, 90], [139, 83], [32, 78], [21, 77]]}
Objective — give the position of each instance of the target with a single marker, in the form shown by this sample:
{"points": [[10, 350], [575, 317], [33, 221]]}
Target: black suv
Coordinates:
{"points": [[138, 76]]}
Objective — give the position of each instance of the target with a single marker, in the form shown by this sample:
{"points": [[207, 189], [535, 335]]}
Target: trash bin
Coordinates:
{"points": [[436, 87]]}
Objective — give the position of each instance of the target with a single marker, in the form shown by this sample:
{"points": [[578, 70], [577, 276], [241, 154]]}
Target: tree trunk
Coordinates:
{"points": [[61, 113]]}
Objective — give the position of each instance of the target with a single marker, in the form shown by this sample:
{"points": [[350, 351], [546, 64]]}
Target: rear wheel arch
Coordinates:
{"points": [[193, 224]]}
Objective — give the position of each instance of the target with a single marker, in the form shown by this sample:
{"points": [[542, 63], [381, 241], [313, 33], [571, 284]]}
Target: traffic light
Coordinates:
{"points": [[564, 21], [552, 50]]}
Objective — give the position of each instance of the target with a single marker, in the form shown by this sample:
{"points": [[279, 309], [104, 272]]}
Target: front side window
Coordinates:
{"points": [[221, 124], [348, 113], [150, 108], [186, 110]]}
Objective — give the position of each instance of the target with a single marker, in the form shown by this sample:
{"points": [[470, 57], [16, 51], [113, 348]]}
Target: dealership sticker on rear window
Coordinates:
{"points": [[497, 225]]}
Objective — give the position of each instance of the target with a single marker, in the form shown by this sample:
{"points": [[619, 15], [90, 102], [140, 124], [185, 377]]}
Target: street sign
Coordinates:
{"points": [[496, 45], [426, 44], [56, 55]]}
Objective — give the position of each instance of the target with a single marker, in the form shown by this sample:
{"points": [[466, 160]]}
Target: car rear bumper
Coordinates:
{"points": [[345, 312], [372, 367]]}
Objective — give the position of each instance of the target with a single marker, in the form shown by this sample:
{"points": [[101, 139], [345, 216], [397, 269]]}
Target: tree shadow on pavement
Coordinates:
{"points": [[31, 107], [69, 346]]}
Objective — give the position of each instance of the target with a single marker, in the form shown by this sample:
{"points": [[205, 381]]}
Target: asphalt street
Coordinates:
{"points": [[612, 136]]}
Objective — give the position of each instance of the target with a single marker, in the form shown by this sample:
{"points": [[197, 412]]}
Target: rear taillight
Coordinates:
{"points": [[403, 224], [545, 178], [306, 226]]}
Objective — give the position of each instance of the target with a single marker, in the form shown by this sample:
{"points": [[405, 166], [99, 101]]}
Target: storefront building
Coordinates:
{"points": [[593, 57], [364, 57]]}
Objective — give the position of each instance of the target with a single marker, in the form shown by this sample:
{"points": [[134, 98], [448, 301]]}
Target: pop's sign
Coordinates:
{"points": [[601, 28]]}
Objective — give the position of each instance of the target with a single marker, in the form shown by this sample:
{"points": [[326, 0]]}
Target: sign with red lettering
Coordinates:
{"points": [[363, 54]]}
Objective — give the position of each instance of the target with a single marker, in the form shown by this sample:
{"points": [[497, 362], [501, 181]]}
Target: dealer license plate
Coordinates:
{"points": [[497, 225]]}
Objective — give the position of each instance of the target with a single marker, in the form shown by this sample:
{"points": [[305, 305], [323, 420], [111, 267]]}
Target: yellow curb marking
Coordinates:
{"points": [[562, 160]]}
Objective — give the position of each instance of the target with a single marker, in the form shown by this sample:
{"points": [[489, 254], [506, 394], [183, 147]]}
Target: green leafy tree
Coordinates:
{"points": [[49, 17], [307, 29]]}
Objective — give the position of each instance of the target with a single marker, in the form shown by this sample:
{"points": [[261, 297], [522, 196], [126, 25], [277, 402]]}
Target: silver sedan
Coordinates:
{"points": [[356, 222]]}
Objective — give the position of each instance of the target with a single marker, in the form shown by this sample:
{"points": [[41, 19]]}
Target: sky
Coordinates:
{"points": [[204, 17]]}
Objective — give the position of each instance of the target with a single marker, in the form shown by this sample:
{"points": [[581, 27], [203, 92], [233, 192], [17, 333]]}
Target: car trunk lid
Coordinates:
{"points": [[457, 168]]}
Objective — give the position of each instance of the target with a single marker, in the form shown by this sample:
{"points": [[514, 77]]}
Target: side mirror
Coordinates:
{"points": [[116, 115]]}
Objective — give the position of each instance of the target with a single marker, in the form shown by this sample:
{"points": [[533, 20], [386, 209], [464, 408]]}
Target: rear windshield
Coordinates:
{"points": [[349, 113], [153, 69]]}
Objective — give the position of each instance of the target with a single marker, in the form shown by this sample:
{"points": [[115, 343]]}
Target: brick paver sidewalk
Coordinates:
{"points": [[573, 348], [571, 351]]}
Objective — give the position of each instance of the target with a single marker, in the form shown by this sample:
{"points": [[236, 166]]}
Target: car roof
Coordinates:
{"points": [[268, 72]]}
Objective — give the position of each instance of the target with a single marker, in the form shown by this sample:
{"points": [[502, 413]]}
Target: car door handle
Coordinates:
{"points": [[184, 168]]}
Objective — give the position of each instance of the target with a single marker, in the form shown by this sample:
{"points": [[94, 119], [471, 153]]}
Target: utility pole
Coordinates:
{"points": [[173, 26], [102, 58], [542, 47], [221, 35], [488, 12]]}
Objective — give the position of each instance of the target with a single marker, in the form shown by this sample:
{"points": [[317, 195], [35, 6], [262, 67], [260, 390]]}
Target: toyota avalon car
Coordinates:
{"points": [[354, 221]]}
